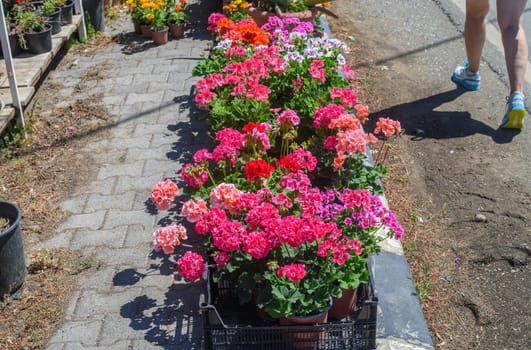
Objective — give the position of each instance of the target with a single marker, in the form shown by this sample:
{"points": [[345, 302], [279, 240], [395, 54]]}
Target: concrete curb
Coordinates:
{"points": [[400, 323]]}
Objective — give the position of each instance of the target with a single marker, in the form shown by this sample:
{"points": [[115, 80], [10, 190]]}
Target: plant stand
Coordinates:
{"points": [[226, 325]]}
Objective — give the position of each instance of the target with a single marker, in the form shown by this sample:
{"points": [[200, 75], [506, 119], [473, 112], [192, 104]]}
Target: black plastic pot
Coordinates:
{"points": [[14, 44], [54, 19], [12, 265], [94, 8], [67, 10], [39, 42]]}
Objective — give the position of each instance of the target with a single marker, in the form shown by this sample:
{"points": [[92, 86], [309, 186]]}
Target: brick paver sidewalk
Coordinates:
{"points": [[133, 301]]}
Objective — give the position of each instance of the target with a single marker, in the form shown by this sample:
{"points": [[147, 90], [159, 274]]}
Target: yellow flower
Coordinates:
{"points": [[149, 16], [129, 2]]}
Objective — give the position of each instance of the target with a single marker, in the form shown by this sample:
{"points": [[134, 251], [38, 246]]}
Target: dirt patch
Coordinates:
{"points": [[467, 229], [37, 174]]}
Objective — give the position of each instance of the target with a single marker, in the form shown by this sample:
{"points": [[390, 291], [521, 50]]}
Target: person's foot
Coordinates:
{"points": [[514, 112], [466, 79]]}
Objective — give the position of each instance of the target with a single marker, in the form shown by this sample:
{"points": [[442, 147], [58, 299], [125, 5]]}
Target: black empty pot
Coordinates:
{"points": [[67, 10], [12, 264]]}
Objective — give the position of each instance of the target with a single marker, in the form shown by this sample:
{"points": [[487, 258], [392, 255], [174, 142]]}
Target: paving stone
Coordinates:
{"points": [[136, 235], [92, 220], [142, 200], [131, 110], [111, 156], [171, 65], [167, 118], [117, 345], [59, 240], [164, 140], [128, 256], [155, 96], [57, 346], [135, 154], [116, 100], [98, 201], [92, 302], [71, 308], [114, 238], [129, 169], [74, 205], [116, 218], [151, 129], [84, 332], [184, 53], [105, 186], [128, 328], [154, 167], [120, 81], [155, 278], [147, 345], [131, 183], [100, 280], [130, 142], [180, 79], [95, 145]]}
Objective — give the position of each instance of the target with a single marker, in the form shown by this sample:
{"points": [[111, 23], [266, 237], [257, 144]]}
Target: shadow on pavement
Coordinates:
{"points": [[420, 120], [169, 319]]}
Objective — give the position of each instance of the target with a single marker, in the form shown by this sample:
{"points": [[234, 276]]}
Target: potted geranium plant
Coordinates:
{"points": [[305, 10], [279, 239]]}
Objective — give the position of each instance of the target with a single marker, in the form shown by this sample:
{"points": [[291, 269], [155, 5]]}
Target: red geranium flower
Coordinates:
{"points": [[257, 168]]}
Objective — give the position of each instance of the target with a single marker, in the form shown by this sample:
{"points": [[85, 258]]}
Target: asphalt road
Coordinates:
{"points": [[493, 53], [462, 165]]}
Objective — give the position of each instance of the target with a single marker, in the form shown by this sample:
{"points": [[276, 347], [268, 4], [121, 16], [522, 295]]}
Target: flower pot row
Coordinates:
{"points": [[32, 24], [160, 37], [282, 117], [156, 19]]}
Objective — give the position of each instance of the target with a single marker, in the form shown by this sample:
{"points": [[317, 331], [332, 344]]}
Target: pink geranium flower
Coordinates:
{"points": [[194, 209], [191, 266], [167, 238], [163, 194], [387, 126], [293, 272]]}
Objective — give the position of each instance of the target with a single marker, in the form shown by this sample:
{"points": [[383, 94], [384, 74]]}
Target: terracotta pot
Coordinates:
{"points": [[176, 30], [160, 37], [261, 17], [137, 29], [345, 305], [308, 338], [146, 32]]}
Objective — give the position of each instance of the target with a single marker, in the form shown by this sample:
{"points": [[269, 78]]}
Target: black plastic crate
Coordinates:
{"points": [[230, 326]]}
